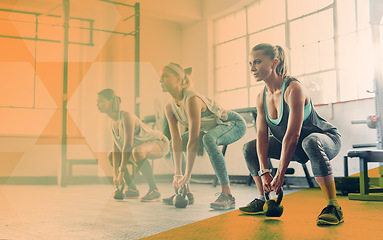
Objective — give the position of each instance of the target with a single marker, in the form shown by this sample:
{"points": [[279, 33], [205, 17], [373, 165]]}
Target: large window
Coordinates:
{"points": [[328, 44]]}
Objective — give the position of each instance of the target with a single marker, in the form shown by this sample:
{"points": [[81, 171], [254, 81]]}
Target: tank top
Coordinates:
{"points": [[313, 123], [209, 120], [142, 133]]}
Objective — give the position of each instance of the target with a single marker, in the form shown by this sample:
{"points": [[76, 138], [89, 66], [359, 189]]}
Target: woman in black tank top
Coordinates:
{"points": [[298, 133]]}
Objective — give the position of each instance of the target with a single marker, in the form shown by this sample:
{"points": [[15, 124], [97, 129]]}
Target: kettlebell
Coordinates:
{"points": [[273, 208], [181, 200]]}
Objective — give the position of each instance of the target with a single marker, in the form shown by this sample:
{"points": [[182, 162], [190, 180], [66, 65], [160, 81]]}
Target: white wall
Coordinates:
{"points": [[195, 53]]}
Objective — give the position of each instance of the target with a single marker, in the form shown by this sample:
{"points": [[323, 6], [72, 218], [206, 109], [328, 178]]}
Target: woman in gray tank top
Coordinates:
{"points": [[132, 141], [298, 133], [207, 122]]}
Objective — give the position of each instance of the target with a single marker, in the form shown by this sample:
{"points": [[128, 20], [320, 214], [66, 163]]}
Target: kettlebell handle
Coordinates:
{"points": [[183, 190], [279, 199]]}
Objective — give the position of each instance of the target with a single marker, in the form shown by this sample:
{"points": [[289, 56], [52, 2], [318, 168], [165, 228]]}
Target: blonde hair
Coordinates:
{"points": [[184, 74], [109, 94]]}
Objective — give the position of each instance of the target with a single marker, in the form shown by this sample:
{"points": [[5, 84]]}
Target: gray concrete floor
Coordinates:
{"points": [[90, 212]]}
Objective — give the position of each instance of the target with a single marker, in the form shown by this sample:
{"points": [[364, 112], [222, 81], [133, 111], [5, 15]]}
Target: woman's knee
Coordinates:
{"points": [[138, 155], [209, 141], [249, 149], [311, 141]]}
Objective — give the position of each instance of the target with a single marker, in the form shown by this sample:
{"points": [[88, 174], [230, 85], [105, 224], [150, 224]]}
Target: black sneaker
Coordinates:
{"points": [[190, 197], [255, 207], [132, 193], [152, 196], [330, 215], [119, 194], [169, 200], [223, 202]]}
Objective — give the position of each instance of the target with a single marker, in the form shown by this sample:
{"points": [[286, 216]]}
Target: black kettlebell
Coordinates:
{"points": [[273, 208], [181, 200]]}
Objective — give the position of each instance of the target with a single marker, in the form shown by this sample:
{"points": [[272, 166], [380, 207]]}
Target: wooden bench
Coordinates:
{"points": [[366, 156]]}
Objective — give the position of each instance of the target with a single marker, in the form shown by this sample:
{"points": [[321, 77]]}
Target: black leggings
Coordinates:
{"points": [[319, 148]]}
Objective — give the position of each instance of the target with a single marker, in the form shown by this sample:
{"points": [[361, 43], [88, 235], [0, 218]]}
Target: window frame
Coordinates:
{"points": [[335, 38]]}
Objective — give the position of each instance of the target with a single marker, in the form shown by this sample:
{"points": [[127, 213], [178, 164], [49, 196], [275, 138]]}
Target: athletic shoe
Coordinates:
{"points": [[255, 207], [191, 198], [223, 202], [169, 200], [152, 196], [119, 194], [330, 215], [130, 193]]}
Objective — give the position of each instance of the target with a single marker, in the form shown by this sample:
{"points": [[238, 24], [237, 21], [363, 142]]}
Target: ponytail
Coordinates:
{"points": [[116, 104], [187, 79], [282, 67]]}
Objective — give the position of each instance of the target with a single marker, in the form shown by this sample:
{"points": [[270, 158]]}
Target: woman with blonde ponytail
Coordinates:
{"points": [[206, 122], [133, 141], [285, 109]]}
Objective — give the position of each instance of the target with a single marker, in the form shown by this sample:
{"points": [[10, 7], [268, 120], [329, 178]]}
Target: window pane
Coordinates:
{"points": [[275, 36], [326, 54], [297, 33], [381, 39], [231, 77], [233, 99], [326, 25], [17, 84], [294, 8], [347, 46], [348, 85], [310, 29], [231, 65], [366, 60], [322, 87], [297, 63], [311, 58], [261, 10], [346, 16], [363, 14], [231, 53], [230, 27], [297, 8]]}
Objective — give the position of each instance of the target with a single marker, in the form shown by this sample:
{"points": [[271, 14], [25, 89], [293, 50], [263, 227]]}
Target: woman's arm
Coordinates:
{"points": [[176, 141], [263, 142], [295, 97], [129, 126], [194, 107], [116, 163]]}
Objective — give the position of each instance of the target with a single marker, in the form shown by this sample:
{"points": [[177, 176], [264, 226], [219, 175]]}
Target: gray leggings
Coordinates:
{"points": [[220, 135], [319, 148]]}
